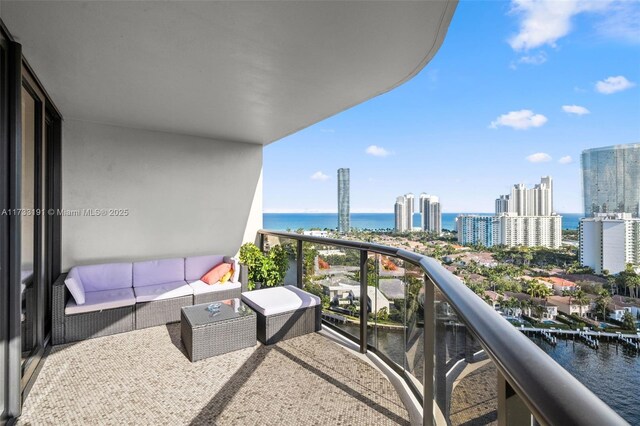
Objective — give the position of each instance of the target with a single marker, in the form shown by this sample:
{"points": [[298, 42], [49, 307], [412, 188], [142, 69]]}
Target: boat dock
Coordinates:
{"points": [[589, 337]]}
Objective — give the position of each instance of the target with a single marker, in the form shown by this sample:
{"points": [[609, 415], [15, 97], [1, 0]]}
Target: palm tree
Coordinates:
{"points": [[545, 291], [539, 310], [629, 279], [582, 300], [534, 287], [603, 301]]}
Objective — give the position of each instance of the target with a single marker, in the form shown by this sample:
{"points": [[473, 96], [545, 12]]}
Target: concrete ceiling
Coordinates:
{"points": [[239, 71]]}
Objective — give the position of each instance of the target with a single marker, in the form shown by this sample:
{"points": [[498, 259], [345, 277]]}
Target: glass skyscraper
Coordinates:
{"points": [[344, 209], [611, 180]]}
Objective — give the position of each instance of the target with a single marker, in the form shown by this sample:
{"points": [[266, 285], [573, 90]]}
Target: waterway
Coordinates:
{"points": [[611, 372]]}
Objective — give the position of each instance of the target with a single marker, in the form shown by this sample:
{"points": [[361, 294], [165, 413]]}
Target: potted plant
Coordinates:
{"points": [[265, 269]]}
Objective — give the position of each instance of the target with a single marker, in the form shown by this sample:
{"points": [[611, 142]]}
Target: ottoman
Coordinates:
{"points": [[284, 312]]}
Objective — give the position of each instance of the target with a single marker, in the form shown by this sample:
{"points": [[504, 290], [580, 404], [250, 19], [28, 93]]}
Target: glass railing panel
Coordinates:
{"points": [[465, 379], [333, 274], [386, 311], [283, 253], [414, 320]]}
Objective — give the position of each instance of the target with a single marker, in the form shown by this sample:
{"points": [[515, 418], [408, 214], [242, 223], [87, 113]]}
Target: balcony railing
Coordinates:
{"points": [[464, 361]]}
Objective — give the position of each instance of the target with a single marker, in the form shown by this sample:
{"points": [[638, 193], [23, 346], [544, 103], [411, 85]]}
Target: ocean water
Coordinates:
{"points": [[293, 221]]}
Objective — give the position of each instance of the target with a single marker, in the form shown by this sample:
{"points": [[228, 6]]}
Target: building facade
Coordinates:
{"points": [[609, 242], [474, 229], [400, 213], [344, 207], [526, 217], [431, 216], [410, 199], [523, 201], [531, 231], [611, 180]]}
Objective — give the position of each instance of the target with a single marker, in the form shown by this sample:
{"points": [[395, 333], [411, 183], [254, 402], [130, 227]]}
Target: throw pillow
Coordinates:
{"points": [[74, 284], [217, 272], [226, 277]]}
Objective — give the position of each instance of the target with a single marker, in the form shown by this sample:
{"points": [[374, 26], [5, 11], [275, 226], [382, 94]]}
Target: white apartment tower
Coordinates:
{"points": [[610, 241], [532, 231], [344, 206], [526, 217], [536, 201], [422, 197], [431, 214], [400, 210], [410, 199]]}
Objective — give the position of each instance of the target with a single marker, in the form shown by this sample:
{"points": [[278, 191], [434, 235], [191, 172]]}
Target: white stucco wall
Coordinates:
{"points": [[185, 195]]}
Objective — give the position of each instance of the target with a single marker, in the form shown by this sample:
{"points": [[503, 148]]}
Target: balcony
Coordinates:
{"points": [[480, 369], [144, 377], [167, 107]]}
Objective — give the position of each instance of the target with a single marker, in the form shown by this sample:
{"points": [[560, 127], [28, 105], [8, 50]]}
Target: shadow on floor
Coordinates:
{"points": [[174, 334]]}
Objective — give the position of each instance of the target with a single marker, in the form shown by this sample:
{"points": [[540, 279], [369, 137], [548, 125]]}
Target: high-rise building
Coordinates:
{"points": [[611, 180], [431, 214], [422, 197], [410, 209], [545, 191], [511, 230], [503, 204], [526, 217], [523, 201], [610, 241], [344, 208], [474, 229], [400, 211]]}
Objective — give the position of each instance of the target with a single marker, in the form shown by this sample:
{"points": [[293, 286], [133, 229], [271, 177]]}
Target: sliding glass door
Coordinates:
{"points": [[38, 132], [30, 187]]}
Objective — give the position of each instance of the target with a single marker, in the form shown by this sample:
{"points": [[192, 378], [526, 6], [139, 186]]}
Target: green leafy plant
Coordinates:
{"points": [[269, 268]]}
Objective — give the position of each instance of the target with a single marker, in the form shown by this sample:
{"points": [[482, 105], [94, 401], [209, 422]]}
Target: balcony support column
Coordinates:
{"points": [[511, 409], [429, 390], [364, 317], [299, 260]]}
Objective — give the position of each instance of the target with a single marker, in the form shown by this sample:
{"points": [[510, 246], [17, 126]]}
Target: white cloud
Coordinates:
{"points": [[622, 22], [613, 84], [519, 120], [537, 59], [539, 157], [575, 109], [543, 22], [319, 176], [565, 160], [377, 151]]}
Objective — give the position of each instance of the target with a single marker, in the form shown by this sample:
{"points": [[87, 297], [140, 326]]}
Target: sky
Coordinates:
{"points": [[517, 90]]}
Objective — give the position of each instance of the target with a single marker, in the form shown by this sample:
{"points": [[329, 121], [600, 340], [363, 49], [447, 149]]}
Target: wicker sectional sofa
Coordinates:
{"points": [[121, 297]]}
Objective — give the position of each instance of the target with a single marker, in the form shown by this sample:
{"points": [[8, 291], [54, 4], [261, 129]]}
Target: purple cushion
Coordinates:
{"points": [[195, 267], [108, 276], [158, 272]]}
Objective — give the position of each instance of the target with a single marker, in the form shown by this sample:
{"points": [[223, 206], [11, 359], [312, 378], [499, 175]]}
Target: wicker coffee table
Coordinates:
{"points": [[208, 331]]}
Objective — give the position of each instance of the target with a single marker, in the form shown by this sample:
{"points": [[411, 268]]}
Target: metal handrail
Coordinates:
{"points": [[550, 392]]}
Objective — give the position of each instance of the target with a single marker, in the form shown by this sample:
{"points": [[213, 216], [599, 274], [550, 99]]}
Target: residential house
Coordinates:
{"points": [[568, 305], [558, 285]]}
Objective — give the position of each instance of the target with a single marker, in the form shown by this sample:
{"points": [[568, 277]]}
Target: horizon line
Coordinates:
{"points": [[373, 211]]}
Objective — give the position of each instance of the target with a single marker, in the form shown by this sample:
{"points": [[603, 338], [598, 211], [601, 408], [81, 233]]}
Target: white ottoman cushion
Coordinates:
{"points": [[276, 300]]}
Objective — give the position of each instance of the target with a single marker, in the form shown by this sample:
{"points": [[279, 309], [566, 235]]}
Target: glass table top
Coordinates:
{"points": [[221, 310]]}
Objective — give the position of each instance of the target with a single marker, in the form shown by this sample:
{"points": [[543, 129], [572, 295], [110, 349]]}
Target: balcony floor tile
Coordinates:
{"points": [[144, 377]]}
